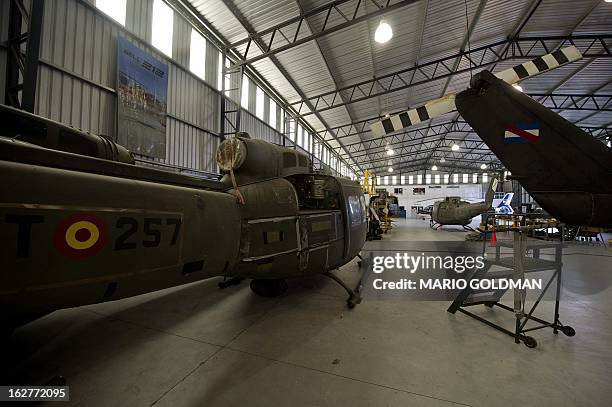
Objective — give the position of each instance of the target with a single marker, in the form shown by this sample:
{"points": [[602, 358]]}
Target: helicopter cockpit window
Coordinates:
{"points": [[355, 210], [303, 161], [289, 160]]}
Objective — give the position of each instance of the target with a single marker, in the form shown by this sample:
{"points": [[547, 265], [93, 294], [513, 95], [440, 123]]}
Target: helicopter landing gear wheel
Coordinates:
{"points": [[354, 297], [353, 301], [568, 331], [530, 342], [269, 288]]}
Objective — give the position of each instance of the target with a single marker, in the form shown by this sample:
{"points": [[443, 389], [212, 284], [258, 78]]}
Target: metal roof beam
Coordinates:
{"points": [[407, 146], [419, 165], [393, 140], [481, 57], [288, 34], [411, 152], [247, 26], [316, 41]]}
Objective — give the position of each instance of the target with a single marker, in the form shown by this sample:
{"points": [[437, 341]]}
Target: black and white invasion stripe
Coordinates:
{"points": [[540, 64], [446, 104], [410, 117]]}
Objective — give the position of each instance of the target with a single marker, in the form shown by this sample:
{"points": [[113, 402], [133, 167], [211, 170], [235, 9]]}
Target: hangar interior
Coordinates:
{"points": [[312, 76]]}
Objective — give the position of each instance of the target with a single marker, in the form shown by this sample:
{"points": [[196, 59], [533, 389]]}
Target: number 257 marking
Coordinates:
{"points": [[152, 231]]}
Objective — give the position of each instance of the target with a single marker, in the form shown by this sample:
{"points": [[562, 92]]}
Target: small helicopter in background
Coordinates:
{"points": [[454, 211]]}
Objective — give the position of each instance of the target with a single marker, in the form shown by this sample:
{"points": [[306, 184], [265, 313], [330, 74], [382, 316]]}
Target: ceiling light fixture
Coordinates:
{"points": [[442, 160], [434, 168], [383, 32], [455, 147], [390, 169], [483, 167], [390, 152], [517, 87]]}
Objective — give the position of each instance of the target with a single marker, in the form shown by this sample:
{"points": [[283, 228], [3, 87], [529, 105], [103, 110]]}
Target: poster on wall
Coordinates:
{"points": [[418, 191], [142, 89]]}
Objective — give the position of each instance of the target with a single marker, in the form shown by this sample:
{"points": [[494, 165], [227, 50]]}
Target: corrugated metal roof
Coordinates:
{"points": [[423, 31]]}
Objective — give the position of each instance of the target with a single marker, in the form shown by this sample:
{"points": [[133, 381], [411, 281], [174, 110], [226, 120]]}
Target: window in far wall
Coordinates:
{"points": [[197, 54], [456, 178], [220, 72], [162, 27], [485, 177], [115, 9], [465, 178], [475, 178], [244, 96], [410, 179], [223, 80], [259, 103], [272, 118], [300, 135], [437, 178], [292, 130]]}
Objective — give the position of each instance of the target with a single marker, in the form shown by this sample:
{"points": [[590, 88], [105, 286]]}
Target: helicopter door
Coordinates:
{"points": [[355, 225]]}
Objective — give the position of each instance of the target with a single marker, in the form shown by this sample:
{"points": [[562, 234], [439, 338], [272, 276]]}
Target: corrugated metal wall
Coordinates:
{"points": [[77, 77]]}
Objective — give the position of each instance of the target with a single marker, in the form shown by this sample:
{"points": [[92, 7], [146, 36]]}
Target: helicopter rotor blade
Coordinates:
{"points": [[446, 104], [539, 65], [429, 110]]}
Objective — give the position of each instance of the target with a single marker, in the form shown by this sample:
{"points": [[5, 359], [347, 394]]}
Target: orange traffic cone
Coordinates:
{"points": [[493, 242]]}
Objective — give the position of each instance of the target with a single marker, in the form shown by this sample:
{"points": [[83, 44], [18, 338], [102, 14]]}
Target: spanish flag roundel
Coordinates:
{"points": [[80, 235]]}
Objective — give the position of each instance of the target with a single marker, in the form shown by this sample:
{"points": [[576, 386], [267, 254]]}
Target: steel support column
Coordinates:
{"points": [[23, 51]]}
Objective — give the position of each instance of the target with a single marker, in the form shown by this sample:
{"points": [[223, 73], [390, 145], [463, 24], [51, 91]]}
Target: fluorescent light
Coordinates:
{"points": [[434, 168], [383, 33], [390, 152], [483, 167], [517, 87], [455, 147], [390, 169]]}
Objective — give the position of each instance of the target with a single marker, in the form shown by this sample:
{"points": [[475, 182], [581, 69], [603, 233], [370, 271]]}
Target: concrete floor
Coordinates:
{"points": [[196, 345]]}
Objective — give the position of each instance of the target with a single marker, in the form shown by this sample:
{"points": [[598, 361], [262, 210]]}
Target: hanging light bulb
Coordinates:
{"points": [[455, 147], [517, 87], [390, 152], [483, 166], [434, 168], [390, 169], [383, 32]]}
